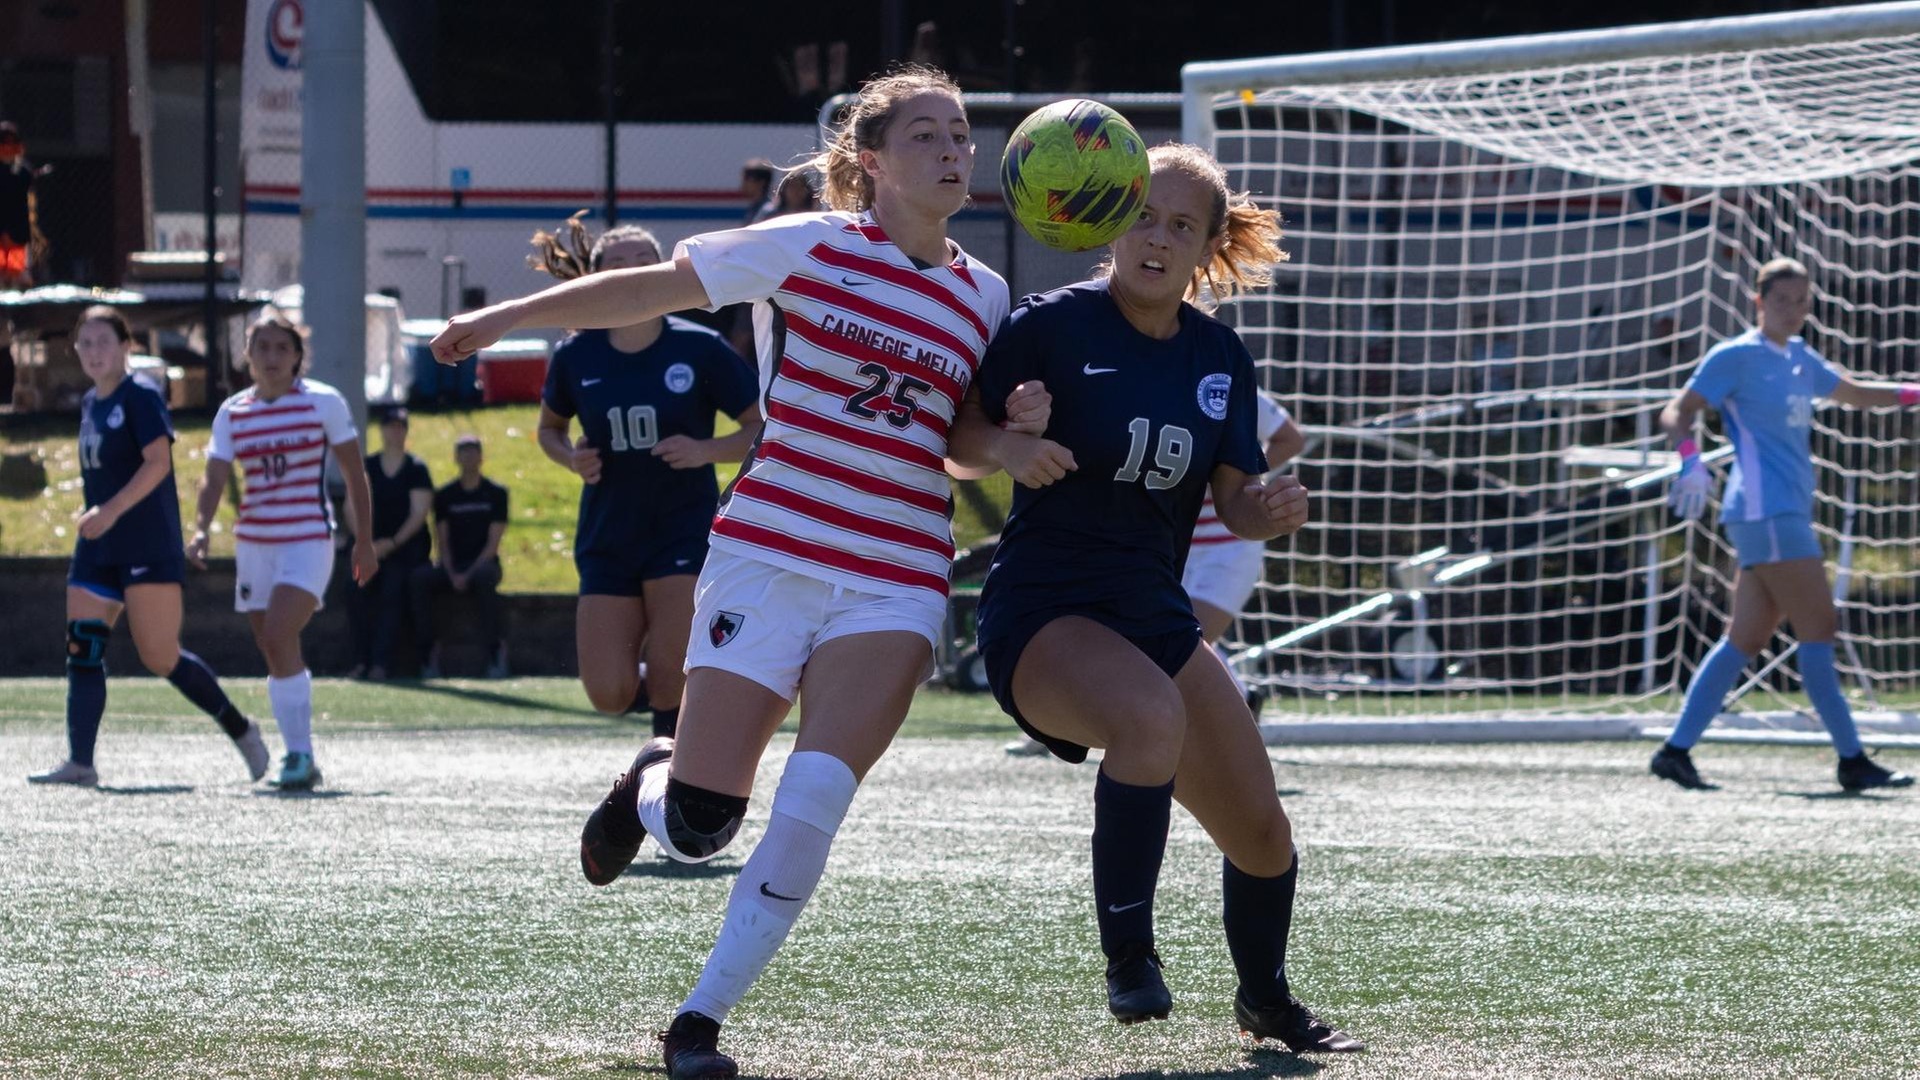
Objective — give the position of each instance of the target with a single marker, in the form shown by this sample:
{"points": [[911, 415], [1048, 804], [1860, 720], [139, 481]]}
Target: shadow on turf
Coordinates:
{"points": [[1259, 1063], [674, 870], [489, 697], [147, 789], [1842, 794], [323, 793]]}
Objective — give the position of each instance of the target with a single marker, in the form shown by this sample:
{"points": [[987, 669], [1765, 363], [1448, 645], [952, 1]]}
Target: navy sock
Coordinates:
{"points": [[194, 679], [1129, 841], [1258, 913], [641, 703], [86, 703], [666, 721]]}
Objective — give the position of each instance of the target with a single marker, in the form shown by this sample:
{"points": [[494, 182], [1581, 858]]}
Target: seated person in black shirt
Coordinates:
{"points": [[470, 517]]}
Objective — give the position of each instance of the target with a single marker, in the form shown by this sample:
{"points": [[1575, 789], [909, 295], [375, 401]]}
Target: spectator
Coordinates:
{"points": [[795, 195], [402, 495], [21, 245], [756, 186], [470, 517]]}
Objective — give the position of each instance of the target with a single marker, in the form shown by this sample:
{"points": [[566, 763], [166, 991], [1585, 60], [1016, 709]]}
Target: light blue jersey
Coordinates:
{"points": [[1765, 395]]}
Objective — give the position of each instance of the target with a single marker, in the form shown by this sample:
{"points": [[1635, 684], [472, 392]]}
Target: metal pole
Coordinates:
{"points": [[210, 195], [1009, 233], [333, 187], [609, 86]]}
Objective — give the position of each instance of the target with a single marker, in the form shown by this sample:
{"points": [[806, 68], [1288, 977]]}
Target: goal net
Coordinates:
{"points": [[1506, 257]]}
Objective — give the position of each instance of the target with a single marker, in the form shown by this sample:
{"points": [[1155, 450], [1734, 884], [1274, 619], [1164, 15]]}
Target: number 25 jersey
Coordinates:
{"points": [[864, 358]]}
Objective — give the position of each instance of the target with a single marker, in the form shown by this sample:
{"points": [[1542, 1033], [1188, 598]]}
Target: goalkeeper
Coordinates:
{"points": [[1763, 383]]}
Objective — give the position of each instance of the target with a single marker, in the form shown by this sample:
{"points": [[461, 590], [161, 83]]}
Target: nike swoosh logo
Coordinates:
{"points": [[844, 280], [1089, 369], [1114, 908], [764, 891], [589, 382], [137, 571], [681, 562]]}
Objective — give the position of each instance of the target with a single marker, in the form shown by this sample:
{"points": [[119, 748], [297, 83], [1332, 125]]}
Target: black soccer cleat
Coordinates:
{"points": [[1135, 990], [613, 831], [1294, 1025], [1672, 763], [1861, 773], [691, 1047]]}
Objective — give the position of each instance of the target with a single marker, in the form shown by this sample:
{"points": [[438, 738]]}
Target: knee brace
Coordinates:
{"points": [[87, 643], [700, 822]]}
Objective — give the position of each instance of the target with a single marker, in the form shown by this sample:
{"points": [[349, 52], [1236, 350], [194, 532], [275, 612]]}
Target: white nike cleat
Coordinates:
{"points": [[253, 749], [71, 773]]}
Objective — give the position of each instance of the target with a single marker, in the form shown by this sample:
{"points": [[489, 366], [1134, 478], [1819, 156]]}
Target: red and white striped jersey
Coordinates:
{"points": [[864, 359], [280, 447], [1208, 529]]}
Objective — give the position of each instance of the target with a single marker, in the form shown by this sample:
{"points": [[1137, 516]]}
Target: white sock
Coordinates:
{"points": [[651, 806], [777, 881], [292, 699]]}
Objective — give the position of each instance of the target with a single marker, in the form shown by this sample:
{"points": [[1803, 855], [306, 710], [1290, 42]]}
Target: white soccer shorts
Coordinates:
{"points": [[762, 622], [303, 564], [1223, 575]]}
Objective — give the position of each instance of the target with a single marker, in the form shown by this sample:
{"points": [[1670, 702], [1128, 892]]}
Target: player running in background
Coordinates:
{"points": [[128, 556], [828, 575], [1088, 638], [1222, 569], [279, 432], [645, 396], [1764, 383]]}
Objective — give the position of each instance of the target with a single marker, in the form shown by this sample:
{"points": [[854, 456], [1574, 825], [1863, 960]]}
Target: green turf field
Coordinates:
{"points": [[1538, 911]]}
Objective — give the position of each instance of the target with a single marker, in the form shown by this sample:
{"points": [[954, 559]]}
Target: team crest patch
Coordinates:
{"points": [[724, 627], [1212, 395], [680, 378], [116, 418]]}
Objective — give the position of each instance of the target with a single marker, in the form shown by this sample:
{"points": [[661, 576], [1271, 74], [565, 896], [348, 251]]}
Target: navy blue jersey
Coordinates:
{"points": [[627, 403], [1147, 422], [113, 432]]}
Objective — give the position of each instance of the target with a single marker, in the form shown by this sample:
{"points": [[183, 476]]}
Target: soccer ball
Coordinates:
{"points": [[1075, 174]]}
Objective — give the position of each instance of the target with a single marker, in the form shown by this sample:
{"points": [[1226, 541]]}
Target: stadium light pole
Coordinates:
{"points": [[610, 88], [333, 191], [217, 374]]}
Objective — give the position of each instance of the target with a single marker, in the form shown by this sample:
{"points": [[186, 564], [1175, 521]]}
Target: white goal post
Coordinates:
{"points": [[1506, 257]]}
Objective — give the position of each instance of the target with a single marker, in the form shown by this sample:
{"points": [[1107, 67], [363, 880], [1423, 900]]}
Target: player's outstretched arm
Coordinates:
{"points": [[1256, 509], [596, 301], [206, 504], [1875, 395]]}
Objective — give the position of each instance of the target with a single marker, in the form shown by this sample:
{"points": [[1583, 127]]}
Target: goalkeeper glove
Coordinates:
{"points": [[1691, 486]]}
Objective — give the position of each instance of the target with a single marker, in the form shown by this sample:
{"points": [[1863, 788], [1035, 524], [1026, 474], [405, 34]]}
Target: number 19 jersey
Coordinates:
{"points": [[1147, 421], [864, 358]]}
